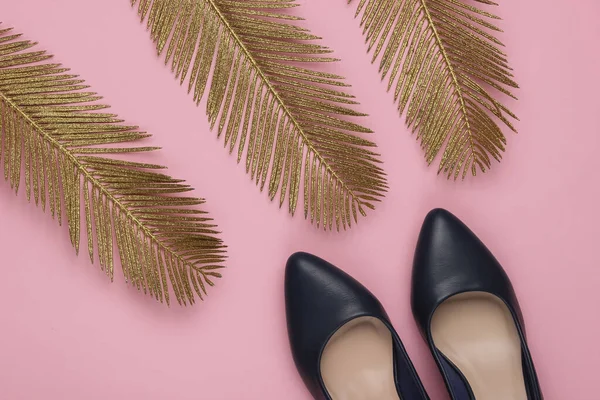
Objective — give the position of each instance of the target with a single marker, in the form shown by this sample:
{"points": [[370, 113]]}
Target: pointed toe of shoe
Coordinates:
{"points": [[304, 273], [446, 244], [315, 288], [450, 259], [310, 284]]}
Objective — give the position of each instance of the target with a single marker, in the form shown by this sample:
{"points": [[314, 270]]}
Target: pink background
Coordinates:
{"points": [[67, 333]]}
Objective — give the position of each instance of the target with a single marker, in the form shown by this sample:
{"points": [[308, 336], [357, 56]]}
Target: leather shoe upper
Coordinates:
{"points": [[449, 260], [320, 298]]}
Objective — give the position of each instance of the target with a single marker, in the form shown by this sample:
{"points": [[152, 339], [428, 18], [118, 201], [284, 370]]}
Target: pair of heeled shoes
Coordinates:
{"points": [[345, 347]]}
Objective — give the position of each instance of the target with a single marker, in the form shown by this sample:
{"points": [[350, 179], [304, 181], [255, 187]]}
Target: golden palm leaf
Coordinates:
{"points": [[446, 65], [73, 158], [266, 95]]}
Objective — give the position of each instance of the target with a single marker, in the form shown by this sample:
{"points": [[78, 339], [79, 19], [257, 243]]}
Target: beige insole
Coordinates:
{"points": [[476, 331], [358, 362]]}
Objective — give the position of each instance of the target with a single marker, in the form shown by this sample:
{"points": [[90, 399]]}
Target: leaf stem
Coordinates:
{"points": [[281, 102], [451, 70], [82, 168]]}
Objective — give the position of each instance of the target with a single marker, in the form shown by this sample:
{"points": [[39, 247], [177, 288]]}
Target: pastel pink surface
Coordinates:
{"points": [[67, 333]]}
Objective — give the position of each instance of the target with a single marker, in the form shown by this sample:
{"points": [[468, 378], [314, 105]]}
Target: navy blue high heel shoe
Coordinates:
{"points": [[342, 340], [468, 313]]}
